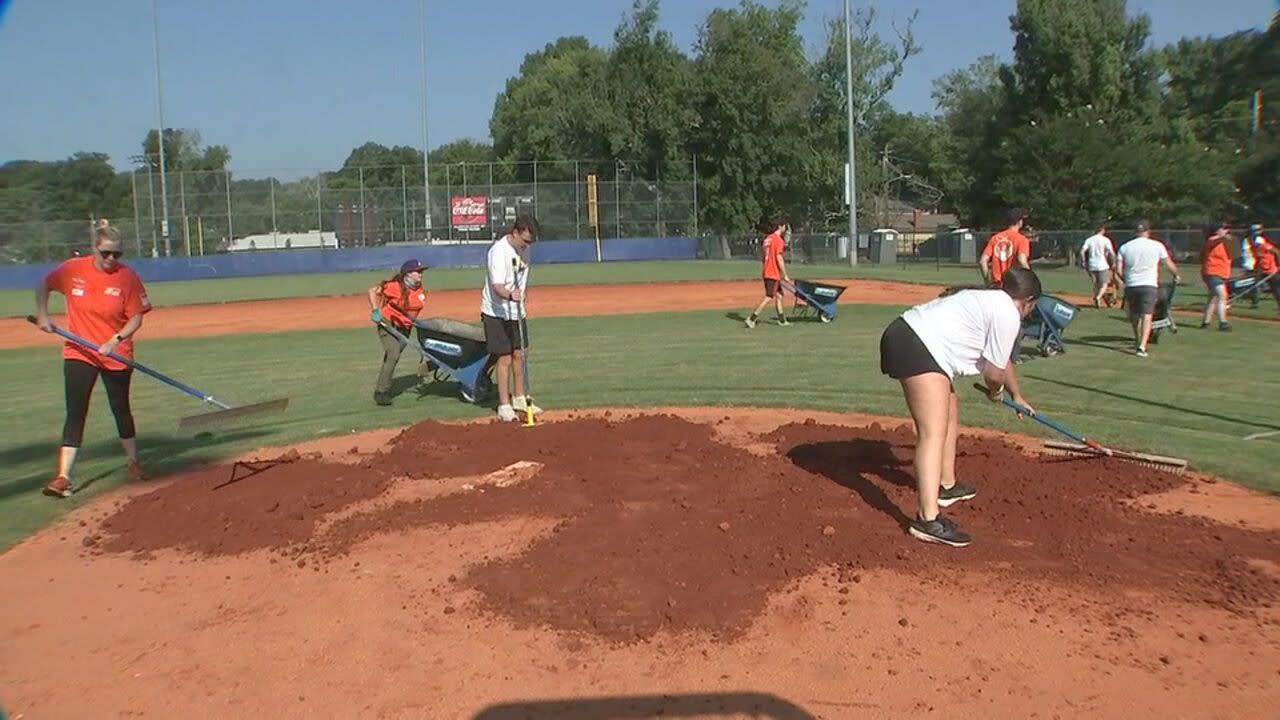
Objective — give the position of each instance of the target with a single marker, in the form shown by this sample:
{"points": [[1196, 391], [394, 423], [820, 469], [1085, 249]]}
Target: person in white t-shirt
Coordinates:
{"points": [[1097, 255], [502, 314], [965, 332], [1138, 262]]}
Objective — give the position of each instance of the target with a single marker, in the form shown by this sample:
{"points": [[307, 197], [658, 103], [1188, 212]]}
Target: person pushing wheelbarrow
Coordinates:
{"points": [[397, 302]]}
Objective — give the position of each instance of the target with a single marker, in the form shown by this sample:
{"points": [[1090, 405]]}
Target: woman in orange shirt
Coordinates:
{"points": [[105, 304], [1215, 269], [396, 302]]}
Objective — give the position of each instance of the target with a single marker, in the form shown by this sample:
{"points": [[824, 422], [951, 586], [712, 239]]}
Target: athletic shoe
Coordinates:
{"points": [[1204, 326], [751, 322], [506, 413], [382, 398], [941, 531], [1142, 353], [136, 473], [519, 404], [1224, 327], [59, 487], [783, 321], [954, 494]]}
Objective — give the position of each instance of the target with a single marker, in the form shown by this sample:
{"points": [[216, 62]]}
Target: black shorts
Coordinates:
{"points": [[502, 337], [1141, 300], [903, 354], [771, 287]]}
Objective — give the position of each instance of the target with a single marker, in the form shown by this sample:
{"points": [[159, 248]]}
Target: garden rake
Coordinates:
{"points": [[1086, 445], [226, 413]]}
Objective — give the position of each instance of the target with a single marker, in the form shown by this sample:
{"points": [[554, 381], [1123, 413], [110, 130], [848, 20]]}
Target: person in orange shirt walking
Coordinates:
{"points": [[1215, 270], [1265, 263], [1005, 249], [774, 272], [105, 304], [396, 302]]}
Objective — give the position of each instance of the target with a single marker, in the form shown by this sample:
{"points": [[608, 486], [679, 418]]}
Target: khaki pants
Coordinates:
{"points": [[391, 349]]}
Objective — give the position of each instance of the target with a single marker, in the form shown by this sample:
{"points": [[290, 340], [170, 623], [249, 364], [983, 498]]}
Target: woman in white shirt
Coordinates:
{"points": [[965, 332]]}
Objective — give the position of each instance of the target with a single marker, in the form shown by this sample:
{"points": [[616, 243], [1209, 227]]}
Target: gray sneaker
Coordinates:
{"points": [[954, 494], [941, 531], [751, 322]]}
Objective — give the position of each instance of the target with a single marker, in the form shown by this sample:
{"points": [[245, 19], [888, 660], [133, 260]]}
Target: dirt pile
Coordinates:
{"points": [[661, 525]]}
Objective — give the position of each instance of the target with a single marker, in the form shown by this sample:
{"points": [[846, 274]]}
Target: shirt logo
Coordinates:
{"points": [[112, 291], [1003, 250], [78, 292]]}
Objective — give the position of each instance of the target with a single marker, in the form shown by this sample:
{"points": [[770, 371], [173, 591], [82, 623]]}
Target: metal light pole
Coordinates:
{"points": [[426, 168], [164, 188], [853, 174]]}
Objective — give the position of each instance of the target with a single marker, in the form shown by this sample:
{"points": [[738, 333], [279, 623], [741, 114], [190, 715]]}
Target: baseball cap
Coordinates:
{"points": [[412, 266]]}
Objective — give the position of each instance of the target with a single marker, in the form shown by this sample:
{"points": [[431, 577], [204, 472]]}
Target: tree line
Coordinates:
{"points": [[1087, 122]]}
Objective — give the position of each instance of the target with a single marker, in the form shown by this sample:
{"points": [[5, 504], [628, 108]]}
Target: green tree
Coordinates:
{"points": [[971, 101]]}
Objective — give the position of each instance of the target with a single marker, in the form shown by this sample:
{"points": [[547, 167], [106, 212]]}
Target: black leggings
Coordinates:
{"points": [[80, 377]]}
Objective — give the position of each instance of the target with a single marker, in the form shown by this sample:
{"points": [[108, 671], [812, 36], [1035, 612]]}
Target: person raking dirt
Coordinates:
{"points": [[773, 270], [502, 312], [964, 332], [397, 301], [105, 304]]}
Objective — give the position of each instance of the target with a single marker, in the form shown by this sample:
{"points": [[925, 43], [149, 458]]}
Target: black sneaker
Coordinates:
{"points": [[954, 494], [382, 398], [1204, 326], [1224, 327], [941, 531]]}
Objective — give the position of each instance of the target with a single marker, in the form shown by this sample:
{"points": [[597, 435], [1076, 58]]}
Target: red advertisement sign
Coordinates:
{"points": [[470, 210]]}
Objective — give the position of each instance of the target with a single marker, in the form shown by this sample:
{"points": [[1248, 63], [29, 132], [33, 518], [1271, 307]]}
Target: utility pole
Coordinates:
{"points": [[164, 188], [852, 174]]}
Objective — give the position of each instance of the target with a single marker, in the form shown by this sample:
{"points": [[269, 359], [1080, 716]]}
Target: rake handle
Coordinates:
{"points": [[135, 365], [1021, 410]]}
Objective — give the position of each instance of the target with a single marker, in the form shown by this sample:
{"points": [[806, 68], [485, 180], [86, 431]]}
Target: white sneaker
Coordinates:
{"points": [[506, 413], [521, 404]]}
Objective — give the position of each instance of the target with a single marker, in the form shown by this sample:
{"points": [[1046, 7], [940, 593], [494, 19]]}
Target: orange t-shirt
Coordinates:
{"points": [[402, 310], [1003, 248], [1264, 255], [98, 305], [1215, 259], [773, 247]]}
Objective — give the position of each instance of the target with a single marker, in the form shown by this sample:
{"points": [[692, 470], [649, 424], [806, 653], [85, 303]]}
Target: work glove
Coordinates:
{"points": [[377, 317]]}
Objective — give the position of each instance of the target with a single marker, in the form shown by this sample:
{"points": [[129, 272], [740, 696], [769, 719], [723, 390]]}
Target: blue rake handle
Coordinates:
{"points": [[1020, 409], [137, 366]]}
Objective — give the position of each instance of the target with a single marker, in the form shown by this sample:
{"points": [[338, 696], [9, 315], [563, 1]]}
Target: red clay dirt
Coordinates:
{"points": [[703, 557], [352, 311]]}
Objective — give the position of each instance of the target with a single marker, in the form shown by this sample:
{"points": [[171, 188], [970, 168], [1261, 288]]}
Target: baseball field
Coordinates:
{"points": [[708, 521]]}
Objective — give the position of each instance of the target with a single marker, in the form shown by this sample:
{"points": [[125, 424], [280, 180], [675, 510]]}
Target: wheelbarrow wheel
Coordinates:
{"points": [[825, 317]]}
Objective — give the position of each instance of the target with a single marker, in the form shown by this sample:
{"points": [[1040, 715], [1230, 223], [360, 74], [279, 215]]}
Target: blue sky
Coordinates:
{"points": [[294, 85]]}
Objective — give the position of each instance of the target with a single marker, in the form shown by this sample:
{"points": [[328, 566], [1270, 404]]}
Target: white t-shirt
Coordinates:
{"points": [[1098, 249], [1142, 257], [966, 330], [507, 268]]}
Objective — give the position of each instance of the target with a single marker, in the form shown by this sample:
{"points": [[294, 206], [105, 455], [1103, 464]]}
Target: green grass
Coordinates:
{"points": [[1196, 397], [15, 303]]}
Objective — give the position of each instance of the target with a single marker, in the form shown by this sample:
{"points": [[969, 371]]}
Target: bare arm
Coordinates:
{"points": [[1024, 261], [42, 306], [782, 268], [984, 264], [126, 332], [999, 380], [375, 297], [1173, 267]]}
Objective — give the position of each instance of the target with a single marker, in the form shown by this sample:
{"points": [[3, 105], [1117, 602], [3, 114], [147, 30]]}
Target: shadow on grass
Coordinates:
{"points": [[1155, 403], [162, 455], [850, 463], [749, 704]]}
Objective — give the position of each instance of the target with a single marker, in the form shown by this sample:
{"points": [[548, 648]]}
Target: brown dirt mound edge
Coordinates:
{"points": [[662, 523]]}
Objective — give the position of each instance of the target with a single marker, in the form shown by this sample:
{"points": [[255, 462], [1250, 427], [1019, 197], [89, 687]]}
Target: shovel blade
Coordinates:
{"points": [[222, 417]]}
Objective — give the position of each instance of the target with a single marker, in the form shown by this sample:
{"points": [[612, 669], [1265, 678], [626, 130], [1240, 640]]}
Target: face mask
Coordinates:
{"points": [[410, 282]]}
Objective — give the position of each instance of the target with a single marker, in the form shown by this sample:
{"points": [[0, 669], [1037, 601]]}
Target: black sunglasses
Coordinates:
{"points": [[117, 254]]}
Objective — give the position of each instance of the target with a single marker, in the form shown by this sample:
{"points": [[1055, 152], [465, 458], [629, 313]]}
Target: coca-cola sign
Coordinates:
{"points": [[470, 210]]}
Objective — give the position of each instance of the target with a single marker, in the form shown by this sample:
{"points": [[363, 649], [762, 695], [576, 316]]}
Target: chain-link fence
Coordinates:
{"points": [[213, 212]]}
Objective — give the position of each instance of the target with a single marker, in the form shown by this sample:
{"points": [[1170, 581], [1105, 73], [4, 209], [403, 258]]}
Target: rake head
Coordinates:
{"points": [[1177, 466], [222, 417]]}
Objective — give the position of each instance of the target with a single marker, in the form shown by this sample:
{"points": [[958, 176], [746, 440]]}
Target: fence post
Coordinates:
{"points": [[488, 221], [319, 211], [657, 184], [231, 235], [577, 201], [617, 196], [182, 195], [695, 195], [274, 228], [404, 202], [137, 221], [151, 199], [535, 188], [448, 196], [364, 235]]}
